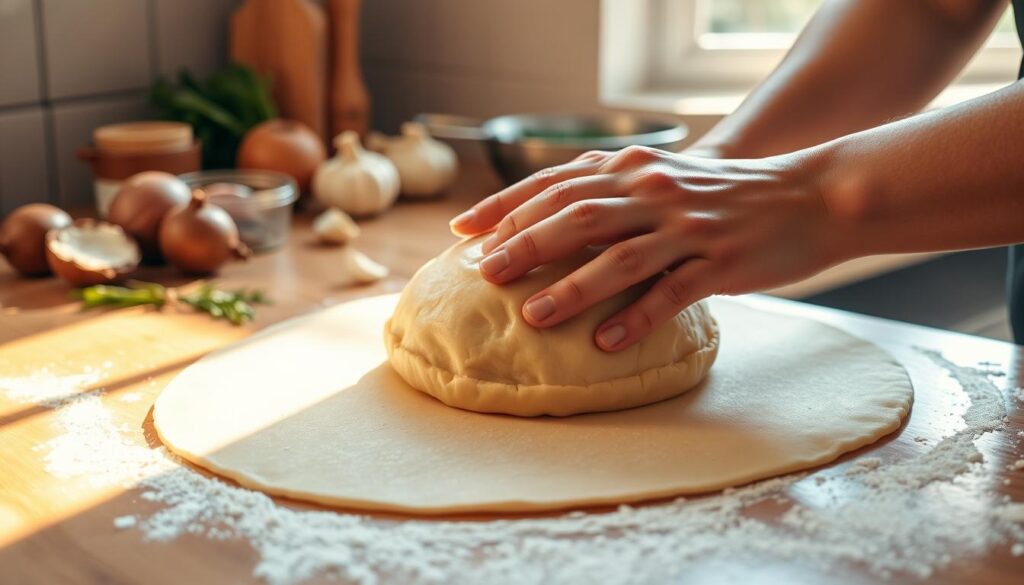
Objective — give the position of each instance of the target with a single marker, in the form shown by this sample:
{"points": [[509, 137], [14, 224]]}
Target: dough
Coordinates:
{"points": [[310, 409], [463, 340]]}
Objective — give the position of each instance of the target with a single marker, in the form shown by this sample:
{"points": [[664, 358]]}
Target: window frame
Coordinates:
{"points": [[679, 55]]}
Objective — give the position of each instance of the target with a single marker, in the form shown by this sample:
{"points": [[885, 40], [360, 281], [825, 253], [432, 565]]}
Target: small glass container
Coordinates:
{"points": [[260, 202]]}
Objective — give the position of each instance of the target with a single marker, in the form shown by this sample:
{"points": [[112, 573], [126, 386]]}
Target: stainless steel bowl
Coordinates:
{"points": [[521, 144]]}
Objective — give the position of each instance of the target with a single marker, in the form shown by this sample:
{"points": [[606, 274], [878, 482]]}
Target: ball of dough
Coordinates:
{"points": [[463, 340]]}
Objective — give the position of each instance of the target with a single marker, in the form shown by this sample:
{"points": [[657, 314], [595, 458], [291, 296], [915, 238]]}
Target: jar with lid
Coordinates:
{"points": [[122, 150]]}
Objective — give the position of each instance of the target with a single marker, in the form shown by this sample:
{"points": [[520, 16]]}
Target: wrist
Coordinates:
{"points": [[843, 195]]}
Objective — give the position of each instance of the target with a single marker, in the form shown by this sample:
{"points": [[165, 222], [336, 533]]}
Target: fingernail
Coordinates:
{"points": [[488, 244], [463, 218], [541, 308], [611, 336], [495, 263]]}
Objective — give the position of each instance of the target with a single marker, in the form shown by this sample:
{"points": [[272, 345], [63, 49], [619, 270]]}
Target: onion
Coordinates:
{"points": [[141, 204], [285, 146], [23, 237], [200, 237]]}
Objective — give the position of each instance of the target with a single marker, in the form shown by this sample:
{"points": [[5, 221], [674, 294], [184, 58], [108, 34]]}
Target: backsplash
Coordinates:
{"points": [[71, 65], [77, 64]]}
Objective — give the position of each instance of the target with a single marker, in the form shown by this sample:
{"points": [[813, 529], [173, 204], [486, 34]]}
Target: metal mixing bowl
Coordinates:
{"points": [[522, 144]]}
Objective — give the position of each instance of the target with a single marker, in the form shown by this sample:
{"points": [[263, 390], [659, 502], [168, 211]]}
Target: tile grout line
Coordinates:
{"points": [[52, 182]]}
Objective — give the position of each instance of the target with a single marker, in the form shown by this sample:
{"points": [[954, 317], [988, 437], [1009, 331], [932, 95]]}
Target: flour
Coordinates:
{"points": [[46, 388], [902, 518], [125, 522]]}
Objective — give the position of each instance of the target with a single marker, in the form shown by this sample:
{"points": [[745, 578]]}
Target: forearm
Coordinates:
{"points": [[857, 64], [945, 180]]}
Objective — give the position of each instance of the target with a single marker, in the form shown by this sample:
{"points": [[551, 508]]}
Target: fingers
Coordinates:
{"points": [[564, 233], [617, 268], [549, 202], [690, 282], [485, 215]]}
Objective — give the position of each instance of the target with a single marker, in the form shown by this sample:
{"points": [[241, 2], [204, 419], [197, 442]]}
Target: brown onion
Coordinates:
{"points": [[285, 146], [23, 236], [141, 204], [200, 237]]}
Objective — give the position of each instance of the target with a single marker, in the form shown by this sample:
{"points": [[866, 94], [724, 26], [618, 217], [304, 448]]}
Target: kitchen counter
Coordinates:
{"points": [[61, 529]]}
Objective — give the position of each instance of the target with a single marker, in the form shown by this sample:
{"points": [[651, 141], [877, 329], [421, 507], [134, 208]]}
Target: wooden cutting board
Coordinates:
{"points": [[286, 39]]}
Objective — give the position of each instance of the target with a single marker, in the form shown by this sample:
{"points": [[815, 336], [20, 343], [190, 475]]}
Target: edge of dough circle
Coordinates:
{"points": [[466, 408]]}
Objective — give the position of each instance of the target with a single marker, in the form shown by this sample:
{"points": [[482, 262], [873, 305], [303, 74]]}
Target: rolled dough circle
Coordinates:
{"points": [[462, 340], [310, 409]]}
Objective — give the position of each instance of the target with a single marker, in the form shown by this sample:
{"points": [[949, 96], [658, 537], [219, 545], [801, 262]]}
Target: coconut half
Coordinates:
{"points": [[91, 252]]}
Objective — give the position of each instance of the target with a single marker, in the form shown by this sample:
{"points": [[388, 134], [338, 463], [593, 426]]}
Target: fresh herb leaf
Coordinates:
{"points": [[233, 306]]}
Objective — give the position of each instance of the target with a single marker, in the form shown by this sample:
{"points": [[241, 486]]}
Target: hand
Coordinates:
{"points": [[698, 226]]}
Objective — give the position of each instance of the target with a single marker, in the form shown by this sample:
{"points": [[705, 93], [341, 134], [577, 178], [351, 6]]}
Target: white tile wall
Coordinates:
{"points": [[24, 164], [191, 34], [73, 123], [19, 63], [479, 57], [96, 46]]}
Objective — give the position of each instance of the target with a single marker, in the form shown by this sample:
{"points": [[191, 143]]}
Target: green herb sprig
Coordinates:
{"points": [[236, 307]]}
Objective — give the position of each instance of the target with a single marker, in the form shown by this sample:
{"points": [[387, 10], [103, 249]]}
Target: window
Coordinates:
{"points": [[710, 47], [735, 43]]}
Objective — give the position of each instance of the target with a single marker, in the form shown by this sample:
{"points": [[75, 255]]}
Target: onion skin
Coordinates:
{"points": [[141, 204], [23, 237], [285, 146], [199, 237]]}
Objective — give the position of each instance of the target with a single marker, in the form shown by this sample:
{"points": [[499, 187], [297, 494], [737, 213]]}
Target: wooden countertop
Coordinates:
{"points": [[60, 530]]}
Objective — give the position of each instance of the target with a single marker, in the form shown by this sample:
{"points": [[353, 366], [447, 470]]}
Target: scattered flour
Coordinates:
{"points": [[863, 464], [46, 388], [123, 522], [882, 516], [130, 397]]}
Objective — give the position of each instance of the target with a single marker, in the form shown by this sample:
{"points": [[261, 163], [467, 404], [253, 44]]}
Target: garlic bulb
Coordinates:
{"points": [[356, 181], [360, 268], [334, 226], [426, 166]]}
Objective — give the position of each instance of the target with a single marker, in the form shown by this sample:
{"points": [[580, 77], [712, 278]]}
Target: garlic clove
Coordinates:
{"points": [[360, 268], [334, 226]]}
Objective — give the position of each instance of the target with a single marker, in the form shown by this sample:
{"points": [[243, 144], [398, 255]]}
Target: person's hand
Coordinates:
{"points": [[699, 226]]}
